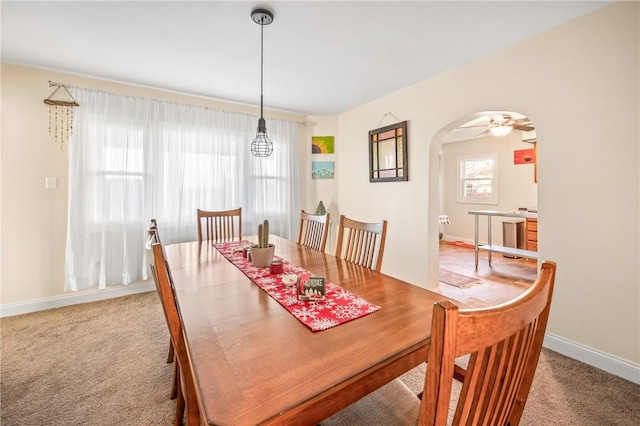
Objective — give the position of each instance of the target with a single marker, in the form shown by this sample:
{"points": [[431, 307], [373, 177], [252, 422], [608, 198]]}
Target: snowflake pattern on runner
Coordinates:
{"points": [[338, 307], [304, 313], [288, 299], [346, 311], [323, 323]]}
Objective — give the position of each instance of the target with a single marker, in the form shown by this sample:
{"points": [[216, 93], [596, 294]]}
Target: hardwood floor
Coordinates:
{"points": [[505, 279]]}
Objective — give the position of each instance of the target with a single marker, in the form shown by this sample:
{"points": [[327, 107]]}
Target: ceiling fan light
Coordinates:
{"points": [[501, 130]]}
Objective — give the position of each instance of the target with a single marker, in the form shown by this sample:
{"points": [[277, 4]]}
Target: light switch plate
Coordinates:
{"points": [[50, 183]]}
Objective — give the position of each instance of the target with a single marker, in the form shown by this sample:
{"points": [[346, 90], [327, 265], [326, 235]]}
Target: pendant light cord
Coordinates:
{"points": [[261, 62], [261, 145]]}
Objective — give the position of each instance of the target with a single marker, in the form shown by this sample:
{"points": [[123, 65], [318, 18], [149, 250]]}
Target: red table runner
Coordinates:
{"points": [[339, 306]]}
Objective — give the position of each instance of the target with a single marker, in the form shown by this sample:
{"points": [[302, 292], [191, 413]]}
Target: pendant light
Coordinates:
{"points": [[261, 145]]}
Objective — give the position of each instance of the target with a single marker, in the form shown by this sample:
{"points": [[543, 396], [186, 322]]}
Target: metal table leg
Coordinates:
{"points": [[476, 242], [489, 237]]}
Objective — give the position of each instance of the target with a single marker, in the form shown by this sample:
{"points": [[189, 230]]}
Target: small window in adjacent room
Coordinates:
{"points": [[478, 179]]}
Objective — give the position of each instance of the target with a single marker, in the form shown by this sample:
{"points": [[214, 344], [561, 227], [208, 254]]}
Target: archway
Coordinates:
{"points": [[464, 141]]}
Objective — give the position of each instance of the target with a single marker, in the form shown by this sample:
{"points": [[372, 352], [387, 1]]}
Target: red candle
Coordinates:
{"points": [[276, 267]]}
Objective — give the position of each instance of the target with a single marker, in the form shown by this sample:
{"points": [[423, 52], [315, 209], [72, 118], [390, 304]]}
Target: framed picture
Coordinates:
{"points": [[528, 156], [388, 158], [322, 144], [311, 288], [322, 169], [524, 156]]}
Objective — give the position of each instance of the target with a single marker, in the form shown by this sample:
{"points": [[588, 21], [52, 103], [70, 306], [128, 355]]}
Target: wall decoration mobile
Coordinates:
{"points": [[61, 114]]}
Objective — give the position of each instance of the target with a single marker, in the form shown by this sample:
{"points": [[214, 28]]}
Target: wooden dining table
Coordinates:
{"points": [[254, 363]]}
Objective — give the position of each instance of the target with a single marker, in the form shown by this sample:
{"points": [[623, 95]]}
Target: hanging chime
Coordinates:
{"points": [[61, 114]]}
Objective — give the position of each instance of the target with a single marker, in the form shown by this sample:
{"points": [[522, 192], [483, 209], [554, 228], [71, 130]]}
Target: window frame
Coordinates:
{"points": [[461, 180]]}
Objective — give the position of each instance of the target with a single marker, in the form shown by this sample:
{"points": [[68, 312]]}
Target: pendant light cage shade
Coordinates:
{"points": [[261, 145]]}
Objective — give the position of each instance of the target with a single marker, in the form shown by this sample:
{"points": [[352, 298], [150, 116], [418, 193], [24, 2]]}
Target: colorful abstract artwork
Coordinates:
{"points": [[322, 144], [524, 156], [322, 169]]}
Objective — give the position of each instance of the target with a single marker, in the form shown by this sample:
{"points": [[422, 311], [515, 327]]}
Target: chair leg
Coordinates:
{"points": [[180, 405], [176, 381], [170, 354], [193, 413]]}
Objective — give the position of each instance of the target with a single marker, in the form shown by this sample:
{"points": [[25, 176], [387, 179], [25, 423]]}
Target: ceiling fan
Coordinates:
{"points": [[502, 124]]}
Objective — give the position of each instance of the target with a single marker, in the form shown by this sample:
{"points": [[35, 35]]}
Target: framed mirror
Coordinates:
{"points": [[388, 161]]}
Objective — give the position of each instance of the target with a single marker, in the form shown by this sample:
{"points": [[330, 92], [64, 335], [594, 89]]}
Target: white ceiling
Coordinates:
{"points": [[319, 57]]}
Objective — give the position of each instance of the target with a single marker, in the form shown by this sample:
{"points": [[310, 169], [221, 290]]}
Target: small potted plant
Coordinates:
{"points": [[262, 253]]}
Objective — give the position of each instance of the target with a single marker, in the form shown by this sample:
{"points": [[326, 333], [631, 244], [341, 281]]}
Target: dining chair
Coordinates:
{"points": [[361, 242], [503, 345], [219, 226], [186, 397], [153, 227], [313, 230]]}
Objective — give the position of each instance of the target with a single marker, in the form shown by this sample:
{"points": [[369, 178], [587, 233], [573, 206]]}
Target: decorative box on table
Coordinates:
{"points": [[310, 287]]}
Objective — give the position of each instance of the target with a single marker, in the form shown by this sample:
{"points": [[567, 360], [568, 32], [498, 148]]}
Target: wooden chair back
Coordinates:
{"points": [[361, 242], [503, 342], [153, 226], [219, 226], [313, 230], [162, 277]]}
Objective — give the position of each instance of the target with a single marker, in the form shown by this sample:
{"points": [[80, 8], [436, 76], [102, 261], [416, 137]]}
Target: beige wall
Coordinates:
{"points": [[579, 85], [33, 234], [323, 189]]}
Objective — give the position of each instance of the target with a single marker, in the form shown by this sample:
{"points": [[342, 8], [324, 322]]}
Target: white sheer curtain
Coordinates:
{"points": [[132, 159]]}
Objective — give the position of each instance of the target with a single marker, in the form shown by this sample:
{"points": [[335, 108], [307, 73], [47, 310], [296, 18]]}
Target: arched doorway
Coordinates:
{"points": [[484, 161]]}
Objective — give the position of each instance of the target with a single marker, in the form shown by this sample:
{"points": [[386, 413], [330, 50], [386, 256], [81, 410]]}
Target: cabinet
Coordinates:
{"points": [[532, 234]]}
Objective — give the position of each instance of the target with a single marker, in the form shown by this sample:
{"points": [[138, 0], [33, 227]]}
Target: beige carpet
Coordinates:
{"points": [[99, 363], [103, 363]]}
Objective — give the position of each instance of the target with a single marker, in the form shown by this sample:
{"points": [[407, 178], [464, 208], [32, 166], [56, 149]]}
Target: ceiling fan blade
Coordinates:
{"points": [[521, 127], [482, 133], [471, 127]]}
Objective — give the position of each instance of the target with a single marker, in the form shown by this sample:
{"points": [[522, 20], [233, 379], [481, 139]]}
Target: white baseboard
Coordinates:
{"points": [[601, 360], [74, 298], [471, 241]]}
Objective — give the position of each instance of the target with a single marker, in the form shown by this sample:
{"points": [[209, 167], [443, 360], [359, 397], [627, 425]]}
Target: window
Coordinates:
{"points": [[478, 179], [132, 159], [118, 170]]}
